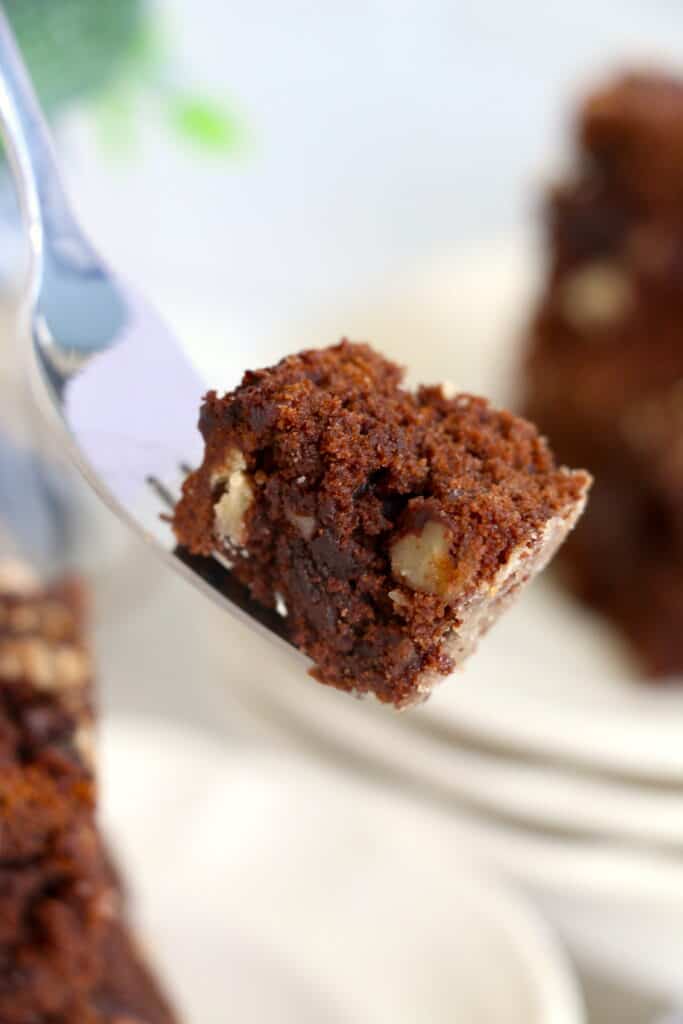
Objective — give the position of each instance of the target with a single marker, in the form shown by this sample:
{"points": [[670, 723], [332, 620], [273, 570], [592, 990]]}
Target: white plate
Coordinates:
{"points": [[272, 890], [550, 678], [447, 767]]}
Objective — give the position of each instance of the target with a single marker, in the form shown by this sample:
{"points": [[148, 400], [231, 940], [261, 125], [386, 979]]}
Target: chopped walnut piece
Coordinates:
{"points": [[232, 506]]}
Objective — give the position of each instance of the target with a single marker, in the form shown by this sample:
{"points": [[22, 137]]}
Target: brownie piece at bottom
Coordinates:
{"points": [[65, 956]]}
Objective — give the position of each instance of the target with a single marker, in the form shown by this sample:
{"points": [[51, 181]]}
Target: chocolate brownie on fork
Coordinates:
{"points": [[394, 527], [66, 956]]}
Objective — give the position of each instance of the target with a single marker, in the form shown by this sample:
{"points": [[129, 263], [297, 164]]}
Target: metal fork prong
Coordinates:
{"points": [[163, 492], [216, 572], [168, 498], [106, 368]]}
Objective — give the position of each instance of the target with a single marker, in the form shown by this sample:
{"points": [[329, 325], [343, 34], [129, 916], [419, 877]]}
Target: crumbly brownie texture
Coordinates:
{"points": [[59, 905], [394, 526], [605, 354]]}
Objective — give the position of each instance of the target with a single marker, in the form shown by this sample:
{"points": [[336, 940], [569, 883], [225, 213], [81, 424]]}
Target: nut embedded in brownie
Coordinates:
{"points": [[64, 952], [605, 356], [393, 526]]}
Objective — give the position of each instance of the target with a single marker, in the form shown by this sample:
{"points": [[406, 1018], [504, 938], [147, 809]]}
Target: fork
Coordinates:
{"points": [[107, 371]]}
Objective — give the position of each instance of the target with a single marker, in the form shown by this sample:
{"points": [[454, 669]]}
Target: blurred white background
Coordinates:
{"points": [[378, 134]]}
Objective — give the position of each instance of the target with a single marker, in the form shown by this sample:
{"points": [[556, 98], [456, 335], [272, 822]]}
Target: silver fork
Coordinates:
{"points": [[109, 372]]}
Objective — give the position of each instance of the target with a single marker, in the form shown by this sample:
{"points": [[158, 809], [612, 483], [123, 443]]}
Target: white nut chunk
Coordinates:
{"points": [[17, 578], [423, 561], [596, 296], [231, 508], [306, 525], [45, 666]]}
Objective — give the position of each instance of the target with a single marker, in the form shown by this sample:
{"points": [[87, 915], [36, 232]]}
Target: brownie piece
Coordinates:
{"points": [[631, 129], [393, 527], [604, 355], [637, 514], [64, 954]]}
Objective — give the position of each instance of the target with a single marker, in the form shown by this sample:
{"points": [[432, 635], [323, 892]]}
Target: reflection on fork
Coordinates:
{"points": [[110, 374], [37, 508]]}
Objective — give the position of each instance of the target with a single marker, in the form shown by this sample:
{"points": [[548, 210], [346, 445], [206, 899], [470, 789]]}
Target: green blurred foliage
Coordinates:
{"points": [[116, 55], [205, 123], [74, 48]]}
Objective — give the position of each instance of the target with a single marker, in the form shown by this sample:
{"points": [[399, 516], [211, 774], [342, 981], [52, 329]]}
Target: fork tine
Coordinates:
{"points": [[215, 572], [93, 373], [162, 491]]}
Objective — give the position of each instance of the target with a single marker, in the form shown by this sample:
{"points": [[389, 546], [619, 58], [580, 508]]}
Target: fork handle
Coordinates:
{"points": [[46, 212]]}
